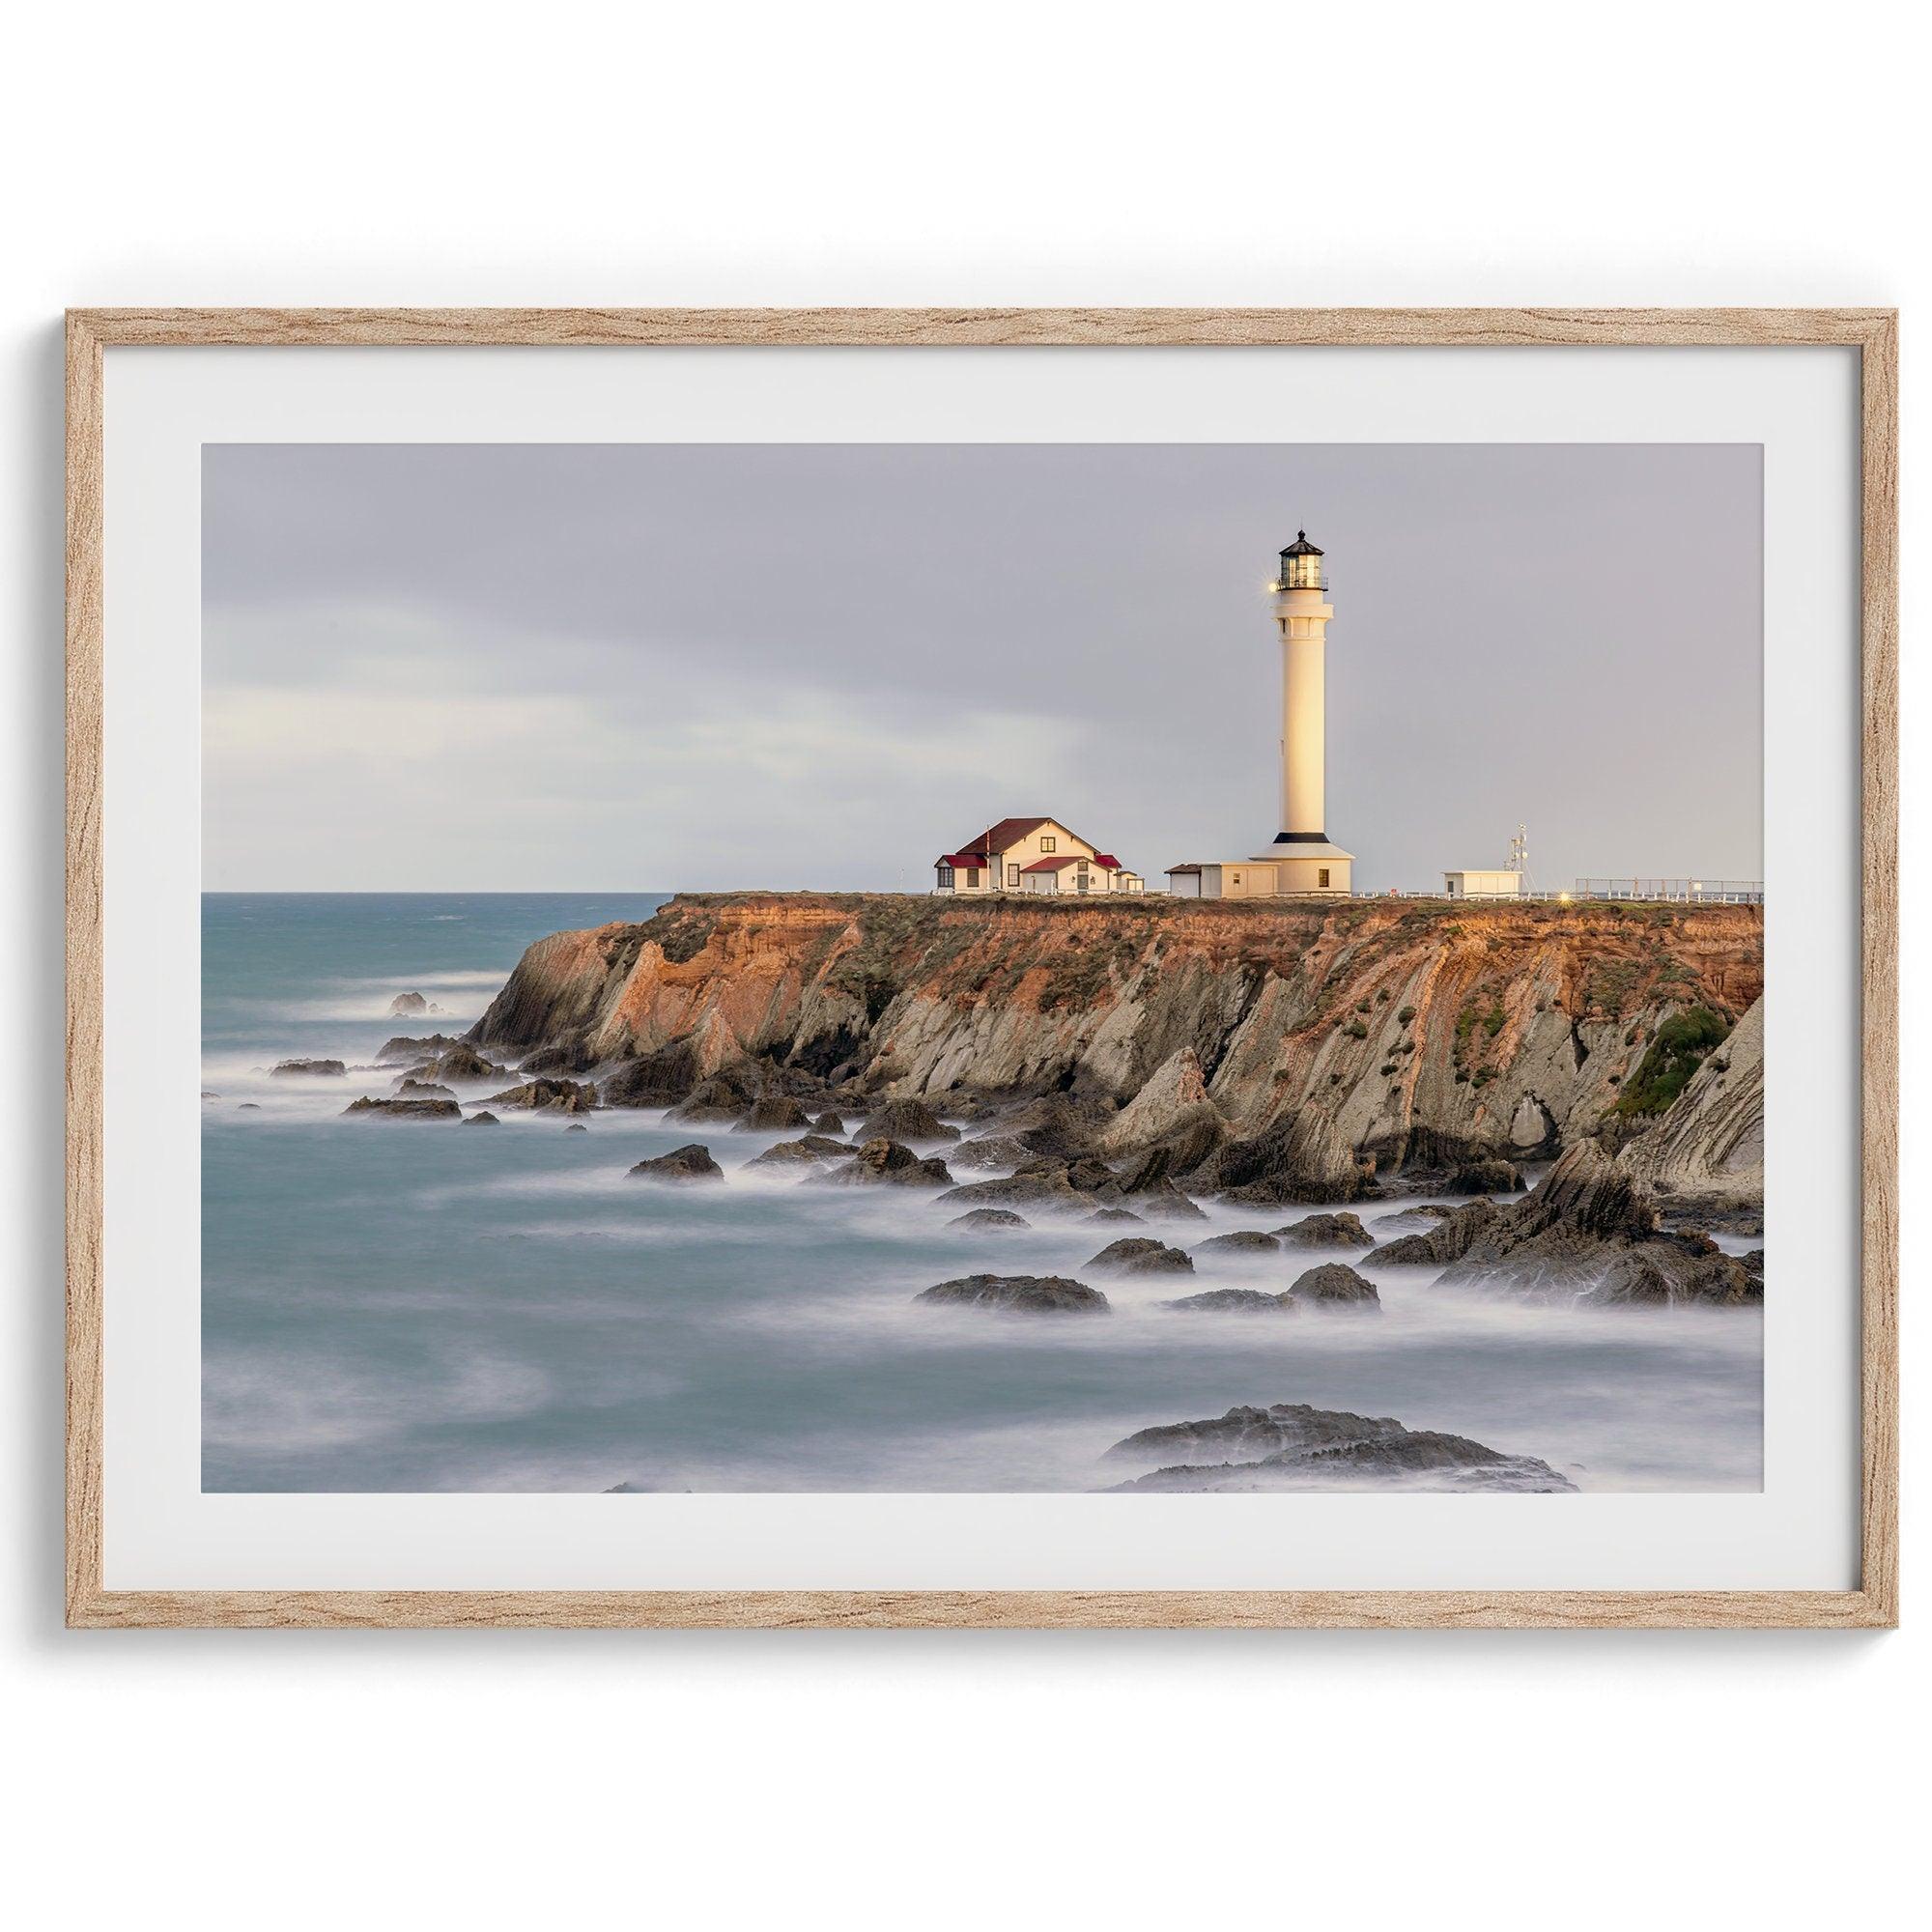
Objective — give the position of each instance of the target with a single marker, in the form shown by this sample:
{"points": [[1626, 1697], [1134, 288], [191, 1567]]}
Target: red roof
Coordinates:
{"points": [[971, 861], [1107, 862]]}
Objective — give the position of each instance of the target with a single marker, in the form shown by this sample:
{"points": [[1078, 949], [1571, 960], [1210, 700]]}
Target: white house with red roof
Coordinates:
{"points": [[1031, 855]]}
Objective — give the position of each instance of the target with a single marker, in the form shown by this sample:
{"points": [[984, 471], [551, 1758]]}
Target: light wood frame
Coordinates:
{"points": [[1872, 332]]}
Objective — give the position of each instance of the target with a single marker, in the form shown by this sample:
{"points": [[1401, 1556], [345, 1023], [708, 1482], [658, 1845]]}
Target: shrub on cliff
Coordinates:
{"points": [[1676, 1051]]}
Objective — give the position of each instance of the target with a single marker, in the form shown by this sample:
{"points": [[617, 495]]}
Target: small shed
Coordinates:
{"points": [[1496, 885]]}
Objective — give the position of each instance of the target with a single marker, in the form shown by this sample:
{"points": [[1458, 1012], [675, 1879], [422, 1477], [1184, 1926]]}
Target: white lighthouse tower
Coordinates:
{"points": [[1301, 858], [1304, 859]]}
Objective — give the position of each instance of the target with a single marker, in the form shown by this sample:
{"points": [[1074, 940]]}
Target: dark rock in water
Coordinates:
{"points": [[1244, 1241], [407, 1110], [992, 1150], [1486, 1177], [249, 1107], [483, 1120], [907, 1121], [1753, 1263], [806, 1152], [885, 1161], [1326, 1231], [1588, 1231], [423, 1090], [1412, 1220], [772, 1114], [394, 1052], [1448, 1240], [990, 1217], [1711, 1217], [315, 1067], [1235, 1301], [829, 1124], [1113, 1215], [406, 1006], [1294, 1446], [1025, 1294], [549, 1097], [1658, 1275], [1138, 1255], [461, 1063], [577, 1128], [1334, 1284], [682, 1164], [1046, 1187], [206, 1095], [714, 1100], [1167, 1203], [660, 1079]]}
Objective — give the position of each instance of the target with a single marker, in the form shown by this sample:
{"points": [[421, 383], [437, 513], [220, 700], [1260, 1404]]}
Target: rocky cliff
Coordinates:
{"points": [[1380, 1032]]}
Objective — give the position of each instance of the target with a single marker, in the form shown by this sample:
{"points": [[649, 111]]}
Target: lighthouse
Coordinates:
{"points": [[1301, 858]]}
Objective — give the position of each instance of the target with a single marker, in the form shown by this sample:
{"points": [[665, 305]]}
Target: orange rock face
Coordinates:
{"points": [[1504, 1025]]}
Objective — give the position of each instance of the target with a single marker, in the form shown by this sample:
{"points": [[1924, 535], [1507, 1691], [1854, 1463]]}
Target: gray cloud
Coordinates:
{"points": [[648, 667]]}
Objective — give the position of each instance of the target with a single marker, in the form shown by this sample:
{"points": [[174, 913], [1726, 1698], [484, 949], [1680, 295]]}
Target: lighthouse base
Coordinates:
{"points": [[1287, 871]]}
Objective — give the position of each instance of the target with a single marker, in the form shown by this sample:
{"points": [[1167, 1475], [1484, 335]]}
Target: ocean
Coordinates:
{"points": [[425, 1306]]}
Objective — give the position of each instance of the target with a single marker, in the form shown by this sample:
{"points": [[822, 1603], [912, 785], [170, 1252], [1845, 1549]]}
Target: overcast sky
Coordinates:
{"points": [[645, 667]]}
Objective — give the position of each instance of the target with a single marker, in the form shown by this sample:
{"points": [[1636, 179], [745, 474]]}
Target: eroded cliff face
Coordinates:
{"points": [[1415, 1031]]}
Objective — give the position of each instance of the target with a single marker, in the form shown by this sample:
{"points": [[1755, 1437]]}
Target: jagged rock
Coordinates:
{"points": [[406, 1110], [392, 1052], [1708, 1148], [1294, 1446], [1485, 1177], [483, 1120], [422, 1090], [1244, 1241], [992, 1150], [1110, 1215], [1301, 1158], [1233, 1301], [1453, 1236], [806, 1152], [461, 1063], [1590, 1230], [1334, 1284], [1025, 1294], [829, 1123], [1059, 1125], [572, 1057], [682, 1164], [406, 1006], [549, 1097], [1173, 1107], [776, 1111], [1326, 1231], [322, 1068], [907, 1121], [717, 1099], [1657, 1275], [989, 1217], [577, 1128], [881, 1160], [1137, 1256], [660, 1079]]}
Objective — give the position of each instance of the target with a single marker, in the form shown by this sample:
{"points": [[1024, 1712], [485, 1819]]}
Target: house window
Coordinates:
{"points": [[1049, 844], [1013, 875], [973, 878], [945, 878], [1321, 877]]}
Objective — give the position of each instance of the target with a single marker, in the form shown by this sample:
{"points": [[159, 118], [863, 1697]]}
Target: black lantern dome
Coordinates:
{"points": [[1302, 565]]}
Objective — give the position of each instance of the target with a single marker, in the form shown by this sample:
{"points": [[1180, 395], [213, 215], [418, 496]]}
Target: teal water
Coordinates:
{"points": [[391, 1306]]}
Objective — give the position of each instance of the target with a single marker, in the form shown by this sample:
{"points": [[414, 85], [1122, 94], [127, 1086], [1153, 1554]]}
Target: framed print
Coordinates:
{"points": [[987, 966]]}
